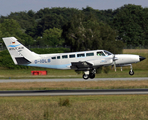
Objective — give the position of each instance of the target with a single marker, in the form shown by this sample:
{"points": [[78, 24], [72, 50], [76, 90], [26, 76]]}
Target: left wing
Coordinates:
{"points": [[82, 66], [90, 64]]}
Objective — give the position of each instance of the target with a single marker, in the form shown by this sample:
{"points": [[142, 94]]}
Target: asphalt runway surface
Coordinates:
{"points": [[71, 92], [68, 80], [74, 92]]}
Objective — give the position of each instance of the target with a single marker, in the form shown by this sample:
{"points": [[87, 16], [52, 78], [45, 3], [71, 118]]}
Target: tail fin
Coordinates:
{"points": [[19, 53]]}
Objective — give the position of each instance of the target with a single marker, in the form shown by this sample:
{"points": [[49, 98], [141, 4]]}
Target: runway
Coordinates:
{"points": [[74, 92], [69, 79]]}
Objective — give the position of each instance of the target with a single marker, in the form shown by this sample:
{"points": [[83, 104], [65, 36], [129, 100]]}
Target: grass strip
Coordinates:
{"points": [[75, 85], [109, 107]]}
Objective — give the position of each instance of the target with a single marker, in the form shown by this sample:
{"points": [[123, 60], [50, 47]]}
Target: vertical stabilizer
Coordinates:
{"points": [[19, 53]]}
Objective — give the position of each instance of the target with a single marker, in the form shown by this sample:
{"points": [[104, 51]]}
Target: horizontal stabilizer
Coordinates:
{"points": [[22, 60]]}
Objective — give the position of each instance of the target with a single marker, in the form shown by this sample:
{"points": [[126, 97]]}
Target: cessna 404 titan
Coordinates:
{"points": [[87, 61]]}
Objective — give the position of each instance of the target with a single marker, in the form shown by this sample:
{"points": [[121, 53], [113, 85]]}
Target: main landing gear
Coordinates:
{"points": [[89, 74], [131, 72]]}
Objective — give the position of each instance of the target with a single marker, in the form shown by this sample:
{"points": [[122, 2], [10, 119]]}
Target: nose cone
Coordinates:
{"points": [[141, 58]]}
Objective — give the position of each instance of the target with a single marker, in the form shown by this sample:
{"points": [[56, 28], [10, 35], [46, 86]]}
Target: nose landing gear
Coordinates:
{"points": [[131, 72]]}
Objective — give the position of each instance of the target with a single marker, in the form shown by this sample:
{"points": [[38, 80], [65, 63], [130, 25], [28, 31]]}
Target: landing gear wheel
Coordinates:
{"points": [[85, 76], [131, 72], [92, 76]]}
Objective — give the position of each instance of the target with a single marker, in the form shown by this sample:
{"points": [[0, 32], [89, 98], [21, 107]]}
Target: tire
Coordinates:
{"points": [[92, 76], [85, 76], [131, 72]]}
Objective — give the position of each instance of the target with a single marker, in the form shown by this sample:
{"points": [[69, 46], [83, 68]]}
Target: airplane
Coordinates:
{"points": [[87, 61]]}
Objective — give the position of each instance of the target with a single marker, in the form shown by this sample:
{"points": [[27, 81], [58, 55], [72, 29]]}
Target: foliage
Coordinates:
{"points": [[85, 33], [10, 27], [131, 23], [49, 21], [49, 18], [52, 37]]}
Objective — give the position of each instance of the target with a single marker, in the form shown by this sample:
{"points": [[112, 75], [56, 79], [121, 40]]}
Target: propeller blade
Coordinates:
{"points": [[115, 66], [114, 59]]}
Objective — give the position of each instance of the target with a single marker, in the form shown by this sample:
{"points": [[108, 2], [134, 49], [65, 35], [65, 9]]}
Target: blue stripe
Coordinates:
{"points": [[14, 45], [50, 66]]}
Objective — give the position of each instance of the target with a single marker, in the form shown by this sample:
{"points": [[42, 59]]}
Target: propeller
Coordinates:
{"points": [[114, 62]]}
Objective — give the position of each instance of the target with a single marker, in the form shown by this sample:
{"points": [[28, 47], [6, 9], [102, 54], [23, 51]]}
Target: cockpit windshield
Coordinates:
{"points": [[107, 53], [100, 53]]}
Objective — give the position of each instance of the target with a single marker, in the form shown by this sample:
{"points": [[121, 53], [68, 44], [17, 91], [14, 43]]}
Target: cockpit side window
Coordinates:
{"points": [[107, 53], [100, 53]]}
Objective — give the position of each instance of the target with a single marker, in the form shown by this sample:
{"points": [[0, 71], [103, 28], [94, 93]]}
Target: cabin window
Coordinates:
{"points": [[58, 57], [89, 54], [81, 55], [72, 56], [100, 53], [53, 58], [64, 56]]}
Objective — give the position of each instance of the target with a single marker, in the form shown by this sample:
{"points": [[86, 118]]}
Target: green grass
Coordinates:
{"points": [[52, 73], [109, 107], [72, 85]]}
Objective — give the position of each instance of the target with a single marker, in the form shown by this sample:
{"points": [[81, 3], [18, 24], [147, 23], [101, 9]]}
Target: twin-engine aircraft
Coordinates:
{"points": [[87, 61]]}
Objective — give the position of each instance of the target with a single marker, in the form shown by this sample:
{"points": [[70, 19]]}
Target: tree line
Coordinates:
{"points": [[84, 29]]}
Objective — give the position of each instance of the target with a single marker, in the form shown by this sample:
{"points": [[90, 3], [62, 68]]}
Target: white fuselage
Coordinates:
{"points": [[64, 60]]}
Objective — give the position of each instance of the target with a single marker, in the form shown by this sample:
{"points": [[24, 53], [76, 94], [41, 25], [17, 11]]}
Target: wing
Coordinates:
{"points": [[82, 66]]}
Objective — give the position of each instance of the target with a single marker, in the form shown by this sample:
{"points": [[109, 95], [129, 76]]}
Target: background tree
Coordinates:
{"points": [[85, 33], [10, 27], [130, 22], [49, 21], [52, 37]]}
